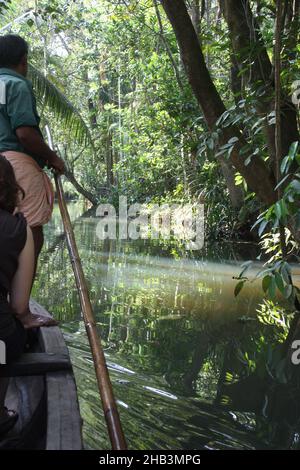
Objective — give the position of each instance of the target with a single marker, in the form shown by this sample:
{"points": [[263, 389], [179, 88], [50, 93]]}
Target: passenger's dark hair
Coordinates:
{"points": [[10, 191], [12, 50]]}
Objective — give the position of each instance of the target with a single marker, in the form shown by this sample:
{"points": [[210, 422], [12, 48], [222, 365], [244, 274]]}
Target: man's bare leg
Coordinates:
{"points": [[38, 238], [30, 320]]}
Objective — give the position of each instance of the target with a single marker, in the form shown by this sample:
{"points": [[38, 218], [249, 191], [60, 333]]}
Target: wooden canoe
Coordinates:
{"points": [[42, 389]]}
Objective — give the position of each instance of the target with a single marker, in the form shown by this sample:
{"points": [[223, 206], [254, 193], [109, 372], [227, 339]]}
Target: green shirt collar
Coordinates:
{"points": [[7, 71]]}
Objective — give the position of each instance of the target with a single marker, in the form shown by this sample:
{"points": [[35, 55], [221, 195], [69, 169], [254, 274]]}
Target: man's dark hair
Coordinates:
{"points": [[12, 50]]}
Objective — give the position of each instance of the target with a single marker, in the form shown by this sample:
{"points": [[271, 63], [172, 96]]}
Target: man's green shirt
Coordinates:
{"points": [[17, 109]]}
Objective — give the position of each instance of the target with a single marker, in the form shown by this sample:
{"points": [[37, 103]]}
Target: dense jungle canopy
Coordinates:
{"points": [[173, 101], [178, 101]]}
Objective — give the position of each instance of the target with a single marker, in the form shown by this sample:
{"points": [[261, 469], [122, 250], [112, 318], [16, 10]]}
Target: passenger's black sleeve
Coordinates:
{"points": [[19, 234], [13, 236]]}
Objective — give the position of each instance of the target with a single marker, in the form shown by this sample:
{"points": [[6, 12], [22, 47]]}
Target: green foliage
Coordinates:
{"points": [[4, 5], [276, 276], [63, 110], [123, 113], [288, 205], [111, 91]]}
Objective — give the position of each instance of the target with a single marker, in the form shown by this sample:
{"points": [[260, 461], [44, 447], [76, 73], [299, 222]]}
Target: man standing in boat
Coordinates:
{"points": [[22, 143]]}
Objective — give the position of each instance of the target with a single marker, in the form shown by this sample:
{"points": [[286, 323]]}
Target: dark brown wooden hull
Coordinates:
{"points": [[46, 401]]}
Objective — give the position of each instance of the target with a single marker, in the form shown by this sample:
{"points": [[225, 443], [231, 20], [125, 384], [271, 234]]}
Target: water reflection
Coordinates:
{"points": [[192, 366]]}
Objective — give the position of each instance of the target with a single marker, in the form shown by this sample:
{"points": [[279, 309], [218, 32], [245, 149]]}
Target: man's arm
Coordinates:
{"points": [[33, 142]]}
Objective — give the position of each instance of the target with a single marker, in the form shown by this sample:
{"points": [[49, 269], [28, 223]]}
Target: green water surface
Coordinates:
{"points": [[192, 366]]}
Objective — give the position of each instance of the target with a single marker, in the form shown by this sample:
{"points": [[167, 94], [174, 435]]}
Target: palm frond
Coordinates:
{"points": [[48, 94]]}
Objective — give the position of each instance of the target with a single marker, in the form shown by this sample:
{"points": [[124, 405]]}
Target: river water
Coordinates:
{"points": [[191, 365]]}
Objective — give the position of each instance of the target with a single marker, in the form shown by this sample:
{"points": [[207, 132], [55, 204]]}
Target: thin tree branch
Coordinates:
{"points": [[169, 52], [278, 141]]}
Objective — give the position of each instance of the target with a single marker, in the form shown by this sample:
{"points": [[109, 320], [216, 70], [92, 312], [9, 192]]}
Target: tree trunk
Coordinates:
{"points": [[235, 192], [167, 47], [248, 47], [256, 173], [109, 161], [195, 15], [235, 80]]}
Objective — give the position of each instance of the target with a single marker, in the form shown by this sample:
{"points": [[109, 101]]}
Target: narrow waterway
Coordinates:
{"points": [[173, 334]]}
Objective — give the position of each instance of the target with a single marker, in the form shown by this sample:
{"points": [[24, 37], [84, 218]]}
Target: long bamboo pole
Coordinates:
{"points": [[110, 409]]}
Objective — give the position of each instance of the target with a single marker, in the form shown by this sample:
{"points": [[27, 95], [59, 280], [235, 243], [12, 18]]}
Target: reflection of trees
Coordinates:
{"points": [[198, 357], [268, 385], [59, 239]]}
